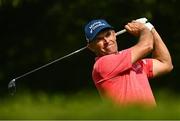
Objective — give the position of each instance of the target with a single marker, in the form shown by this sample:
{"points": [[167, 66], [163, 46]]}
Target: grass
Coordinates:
{"points": [[83, 105]]}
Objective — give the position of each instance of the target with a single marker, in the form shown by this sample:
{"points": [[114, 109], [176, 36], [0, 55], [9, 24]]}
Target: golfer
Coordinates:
{"points": [[123, 76]]}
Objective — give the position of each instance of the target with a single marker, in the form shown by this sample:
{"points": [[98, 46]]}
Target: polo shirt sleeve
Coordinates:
{"points": [[114, 64], [148, 67]]}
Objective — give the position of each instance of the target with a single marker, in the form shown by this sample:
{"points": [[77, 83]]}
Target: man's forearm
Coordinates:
{"points": [[160, 51]]}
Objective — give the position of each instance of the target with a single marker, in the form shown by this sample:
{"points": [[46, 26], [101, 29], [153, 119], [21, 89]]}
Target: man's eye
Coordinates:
{"points": [[98, 38], [108, 34]]}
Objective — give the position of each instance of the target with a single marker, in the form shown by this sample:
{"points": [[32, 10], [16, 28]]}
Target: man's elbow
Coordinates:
{"points": [[169, 68], [149, 48]]}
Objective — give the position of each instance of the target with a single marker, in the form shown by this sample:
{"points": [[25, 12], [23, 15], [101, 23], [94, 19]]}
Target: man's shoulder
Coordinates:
{"points": [[110, 56], [125, 50], [111, 59]]}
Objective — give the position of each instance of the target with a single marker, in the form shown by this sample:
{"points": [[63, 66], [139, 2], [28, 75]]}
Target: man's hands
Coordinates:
{"points": [[135, 28]]}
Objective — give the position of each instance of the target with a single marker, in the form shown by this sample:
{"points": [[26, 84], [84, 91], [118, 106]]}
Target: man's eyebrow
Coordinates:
{"points": [[98, 37], [101, 35]]}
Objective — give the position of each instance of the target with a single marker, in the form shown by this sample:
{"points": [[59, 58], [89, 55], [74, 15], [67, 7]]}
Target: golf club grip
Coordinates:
{"points": [[120, 32]]}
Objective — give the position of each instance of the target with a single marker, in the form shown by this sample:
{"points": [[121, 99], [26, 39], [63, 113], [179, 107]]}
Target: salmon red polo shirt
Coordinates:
{"points": [[123, 82]]}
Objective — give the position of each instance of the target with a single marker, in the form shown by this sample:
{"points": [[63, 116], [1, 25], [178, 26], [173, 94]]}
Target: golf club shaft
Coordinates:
{"points": [[79, 50], [120, 32], [50, 63]]}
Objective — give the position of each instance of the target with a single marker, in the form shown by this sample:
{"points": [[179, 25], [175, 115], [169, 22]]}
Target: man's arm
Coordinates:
{"points": [[161, 57], [145, 42]]}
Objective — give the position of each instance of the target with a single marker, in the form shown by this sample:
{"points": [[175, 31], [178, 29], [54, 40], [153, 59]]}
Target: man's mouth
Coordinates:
{"points": [[109, 46]]}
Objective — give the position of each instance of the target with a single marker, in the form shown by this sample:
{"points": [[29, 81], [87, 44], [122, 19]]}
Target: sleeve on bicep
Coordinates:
{"points": [[115, 63], [148, 67]]}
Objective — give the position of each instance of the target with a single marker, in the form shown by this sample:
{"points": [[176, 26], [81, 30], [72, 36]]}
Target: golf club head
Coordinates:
{"points": [[12, 87]]}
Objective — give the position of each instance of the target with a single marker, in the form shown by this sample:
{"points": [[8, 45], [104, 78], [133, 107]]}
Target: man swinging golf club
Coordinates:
{"points": [[12, 83], [123, 76]]}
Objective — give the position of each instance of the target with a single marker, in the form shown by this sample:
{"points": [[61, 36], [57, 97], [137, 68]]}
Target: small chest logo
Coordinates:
{"points": [[137, 67]]}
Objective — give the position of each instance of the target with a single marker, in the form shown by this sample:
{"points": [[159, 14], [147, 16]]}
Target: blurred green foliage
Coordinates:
{"points": [[35, 32], [84, 105]]}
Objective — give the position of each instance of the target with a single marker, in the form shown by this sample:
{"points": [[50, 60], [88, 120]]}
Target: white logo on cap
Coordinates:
{"points": [[96, 25]]}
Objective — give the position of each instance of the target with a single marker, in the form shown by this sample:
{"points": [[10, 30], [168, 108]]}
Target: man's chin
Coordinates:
{"points": [[111, 52]]}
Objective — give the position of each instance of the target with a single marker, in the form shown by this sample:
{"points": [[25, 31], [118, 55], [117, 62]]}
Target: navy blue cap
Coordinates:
{"points": [[94, 27]]}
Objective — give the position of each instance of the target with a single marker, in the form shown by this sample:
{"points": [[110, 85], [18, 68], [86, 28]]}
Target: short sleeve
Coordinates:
{"points": [[148, 67]]}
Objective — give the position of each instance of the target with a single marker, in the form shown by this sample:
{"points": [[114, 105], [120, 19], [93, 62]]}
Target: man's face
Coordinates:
{"points": [[104, 43]]}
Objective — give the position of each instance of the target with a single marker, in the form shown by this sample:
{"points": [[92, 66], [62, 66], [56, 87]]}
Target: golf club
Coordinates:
{"points": [[12, 84]]}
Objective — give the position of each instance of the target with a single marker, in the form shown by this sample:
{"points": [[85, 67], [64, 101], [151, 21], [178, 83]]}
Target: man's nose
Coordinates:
{"points": [[106, 39]]}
